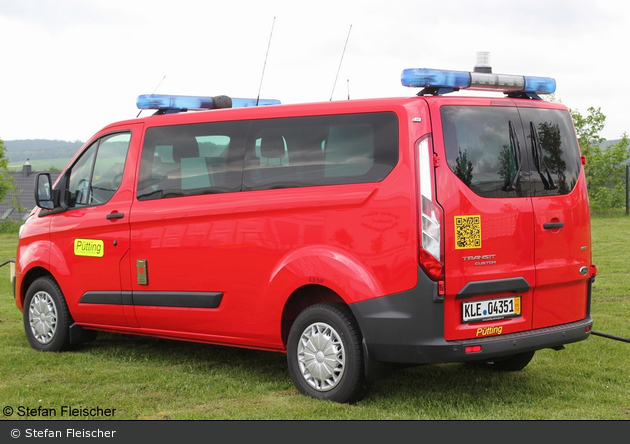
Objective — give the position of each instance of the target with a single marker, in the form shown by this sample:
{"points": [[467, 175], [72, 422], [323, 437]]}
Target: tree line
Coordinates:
{"points": [[21, 150]]}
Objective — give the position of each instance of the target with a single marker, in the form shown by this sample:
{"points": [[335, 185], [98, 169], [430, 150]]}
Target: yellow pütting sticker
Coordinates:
{"points": [[89, 247], [467, 232]]}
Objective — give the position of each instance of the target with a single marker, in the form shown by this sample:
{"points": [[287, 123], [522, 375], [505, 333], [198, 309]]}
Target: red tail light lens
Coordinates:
{"points": [[430, 214]]}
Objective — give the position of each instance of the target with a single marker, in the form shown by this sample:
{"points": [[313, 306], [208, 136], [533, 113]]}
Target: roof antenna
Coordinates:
{"points": [[265, 64], [340, 61], [158, 85]]}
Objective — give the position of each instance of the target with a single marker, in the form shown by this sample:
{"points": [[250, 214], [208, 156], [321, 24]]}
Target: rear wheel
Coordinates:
{"points": [[46, 316], [512, 363], [325, 355]]}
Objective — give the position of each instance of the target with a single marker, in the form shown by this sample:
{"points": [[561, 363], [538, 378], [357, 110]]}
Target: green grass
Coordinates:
{"points": [[148, 378]]}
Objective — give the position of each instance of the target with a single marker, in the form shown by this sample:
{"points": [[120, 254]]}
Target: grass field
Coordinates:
{"points": [[147, 378]]}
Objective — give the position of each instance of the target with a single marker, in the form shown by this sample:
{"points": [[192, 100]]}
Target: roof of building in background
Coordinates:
{"points": [[25, 182]]}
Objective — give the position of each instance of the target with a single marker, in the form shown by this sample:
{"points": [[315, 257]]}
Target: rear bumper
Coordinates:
{"points": [[408, 328]]}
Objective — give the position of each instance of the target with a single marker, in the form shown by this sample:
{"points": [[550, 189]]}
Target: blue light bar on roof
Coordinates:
{"points": [[439, 78], [175, 102]]}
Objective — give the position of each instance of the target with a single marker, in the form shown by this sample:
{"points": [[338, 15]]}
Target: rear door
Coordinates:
{"points": [[561, 217], [516, 224], [483, 188]]}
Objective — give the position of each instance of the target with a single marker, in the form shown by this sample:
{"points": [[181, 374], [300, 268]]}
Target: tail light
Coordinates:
{"points": [[431, 245]]}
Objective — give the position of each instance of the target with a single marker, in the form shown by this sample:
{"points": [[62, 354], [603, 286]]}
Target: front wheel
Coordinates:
{"points": [[325, 355], [46, 316]]}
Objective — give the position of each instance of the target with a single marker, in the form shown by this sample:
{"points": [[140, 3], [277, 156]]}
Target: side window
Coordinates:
{"points": [[349, 150], [187, 160], [320, 150], [98, 173]]}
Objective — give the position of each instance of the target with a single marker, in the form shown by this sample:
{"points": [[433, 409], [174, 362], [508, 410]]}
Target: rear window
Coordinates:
{"points": [[555, 155], [508, 151]]}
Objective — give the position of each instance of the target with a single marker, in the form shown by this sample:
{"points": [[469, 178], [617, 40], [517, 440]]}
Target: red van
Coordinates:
{"points": [[352, 235]]}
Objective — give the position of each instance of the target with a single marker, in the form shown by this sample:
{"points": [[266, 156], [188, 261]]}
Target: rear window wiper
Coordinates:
{"points": [[516, 146]]}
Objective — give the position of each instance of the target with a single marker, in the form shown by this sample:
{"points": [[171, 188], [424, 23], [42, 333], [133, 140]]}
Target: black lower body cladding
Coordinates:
{"points": [[408, 328]]}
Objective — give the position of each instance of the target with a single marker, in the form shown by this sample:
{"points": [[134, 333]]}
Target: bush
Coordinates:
{"points": [[10, 226], [605, 167]]}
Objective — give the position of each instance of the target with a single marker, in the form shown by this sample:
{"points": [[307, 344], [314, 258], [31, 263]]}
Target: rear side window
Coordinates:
{"points": [[508, 151], [320, 150]]}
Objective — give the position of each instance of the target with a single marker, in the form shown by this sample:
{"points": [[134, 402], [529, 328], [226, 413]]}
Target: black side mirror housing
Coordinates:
{"points": [[44, 192]]}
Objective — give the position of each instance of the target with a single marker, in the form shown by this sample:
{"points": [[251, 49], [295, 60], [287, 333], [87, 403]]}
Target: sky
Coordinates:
{"points": [[70, 67]]}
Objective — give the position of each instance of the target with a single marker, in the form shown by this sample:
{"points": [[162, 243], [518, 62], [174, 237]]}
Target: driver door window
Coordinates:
{"points": [[98, 173]]}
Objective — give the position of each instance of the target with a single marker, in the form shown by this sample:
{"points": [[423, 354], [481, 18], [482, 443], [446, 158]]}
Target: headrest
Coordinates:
{"points": [[185, 147], [272, 145]]}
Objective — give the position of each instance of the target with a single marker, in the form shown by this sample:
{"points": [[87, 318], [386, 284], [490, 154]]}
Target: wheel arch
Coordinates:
{"points": [[319, 273], [30, 277], [333, 268], [301, 299]]}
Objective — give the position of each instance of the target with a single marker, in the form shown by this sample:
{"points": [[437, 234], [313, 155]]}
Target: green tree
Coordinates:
{"points": [[605, 167], [588, 131], [7, 184], [607, 187]]}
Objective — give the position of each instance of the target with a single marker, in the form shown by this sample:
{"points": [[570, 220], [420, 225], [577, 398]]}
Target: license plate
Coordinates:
{"points": [[491, 309]]}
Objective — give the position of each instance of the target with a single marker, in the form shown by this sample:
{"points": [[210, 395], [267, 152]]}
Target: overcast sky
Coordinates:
{"points": [[70, 67]]}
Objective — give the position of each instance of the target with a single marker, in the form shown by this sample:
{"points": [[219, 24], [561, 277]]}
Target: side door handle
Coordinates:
{"points": [[115, 215], [553, 225]]}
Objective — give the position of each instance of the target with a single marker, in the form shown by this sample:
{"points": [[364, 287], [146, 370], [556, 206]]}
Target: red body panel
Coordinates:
{"points": [[560, 294], [244, 248], [255, 247]]}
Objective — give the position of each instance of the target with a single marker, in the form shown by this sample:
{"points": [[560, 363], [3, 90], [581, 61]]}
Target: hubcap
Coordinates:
{"points": [[321, 356], [42, 317]]}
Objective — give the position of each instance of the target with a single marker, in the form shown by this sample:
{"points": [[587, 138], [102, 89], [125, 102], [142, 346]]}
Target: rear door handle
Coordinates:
{"points": [[553, 225], [115, 215]]}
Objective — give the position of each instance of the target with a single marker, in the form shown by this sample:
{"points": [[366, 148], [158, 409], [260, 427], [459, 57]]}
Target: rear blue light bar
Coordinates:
{"points": [[176, 102], [540, 85], [439, 78]]}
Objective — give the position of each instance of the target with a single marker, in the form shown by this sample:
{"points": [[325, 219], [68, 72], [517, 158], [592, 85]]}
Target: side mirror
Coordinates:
{"points": [[43, 191]]}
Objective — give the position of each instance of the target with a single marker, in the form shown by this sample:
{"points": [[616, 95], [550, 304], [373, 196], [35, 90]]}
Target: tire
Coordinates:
{"points": [[325, 354], [46, 316], [512, 363]]}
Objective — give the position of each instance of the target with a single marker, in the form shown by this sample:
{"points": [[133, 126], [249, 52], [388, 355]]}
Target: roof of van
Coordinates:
{"points": [[327, 108]]}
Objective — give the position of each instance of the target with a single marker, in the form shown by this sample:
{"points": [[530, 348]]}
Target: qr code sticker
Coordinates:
{"points": [[467, 232]]}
